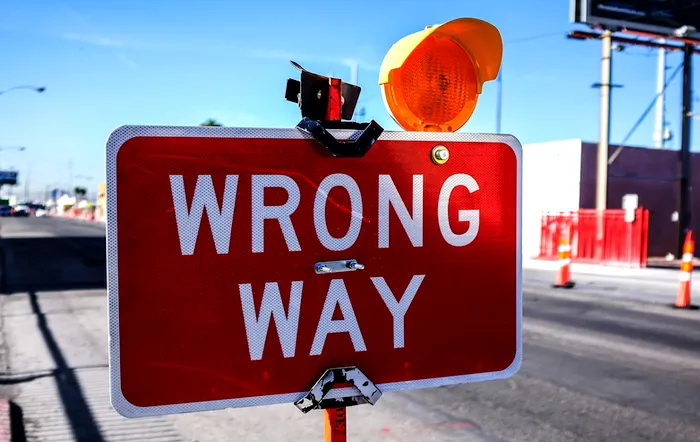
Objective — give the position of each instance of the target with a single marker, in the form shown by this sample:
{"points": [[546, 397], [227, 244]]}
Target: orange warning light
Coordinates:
{"points": [[431, 79]]}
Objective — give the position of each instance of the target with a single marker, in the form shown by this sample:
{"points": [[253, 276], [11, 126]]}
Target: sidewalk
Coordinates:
{"points": [[594, 269], [663, 263], [648, 285], [77, 218]]}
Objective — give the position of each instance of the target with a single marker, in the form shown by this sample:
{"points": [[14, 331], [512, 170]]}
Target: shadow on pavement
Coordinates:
{"points": [[17, 431], [77, 411], [53, 263]]}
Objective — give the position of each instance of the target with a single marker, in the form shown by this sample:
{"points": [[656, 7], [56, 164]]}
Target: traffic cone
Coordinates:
{"points": [[683, 297], [564, 275]]}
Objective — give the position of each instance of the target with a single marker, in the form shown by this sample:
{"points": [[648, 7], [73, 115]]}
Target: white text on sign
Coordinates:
{"points": [[257, 324], [189, 216]]}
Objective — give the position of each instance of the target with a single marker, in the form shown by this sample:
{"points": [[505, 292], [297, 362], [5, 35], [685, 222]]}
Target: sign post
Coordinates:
{"points": [[630, 203]]}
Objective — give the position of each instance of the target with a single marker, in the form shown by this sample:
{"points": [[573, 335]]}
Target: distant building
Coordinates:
{"points": [[55, 194], [561, 176]]}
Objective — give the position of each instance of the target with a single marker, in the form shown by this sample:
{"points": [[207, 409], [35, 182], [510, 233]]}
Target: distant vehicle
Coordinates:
{"points": [[21, 210], [37, 209], [5, 210]]}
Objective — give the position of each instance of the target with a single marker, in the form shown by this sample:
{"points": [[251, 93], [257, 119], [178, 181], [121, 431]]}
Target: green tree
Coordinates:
{"points": [[211, 122], [80, 191]]}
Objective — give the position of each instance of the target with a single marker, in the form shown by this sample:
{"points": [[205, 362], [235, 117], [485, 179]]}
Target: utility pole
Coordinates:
{"points": [[604, 139], [354, 79], [70, 177], [685, 210], [660, 126], [354, 72], [26, 185]]}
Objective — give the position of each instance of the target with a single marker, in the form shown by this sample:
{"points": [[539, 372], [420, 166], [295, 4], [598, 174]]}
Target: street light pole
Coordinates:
{"points": [[26, 184], [4, 148], [38, 89]]}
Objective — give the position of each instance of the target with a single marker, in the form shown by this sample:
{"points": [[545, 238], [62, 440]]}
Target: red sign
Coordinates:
{"points": [[224, 246]]}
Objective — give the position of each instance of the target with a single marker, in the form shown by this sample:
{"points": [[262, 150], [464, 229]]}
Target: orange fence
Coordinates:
{"points": [[622, 243]]}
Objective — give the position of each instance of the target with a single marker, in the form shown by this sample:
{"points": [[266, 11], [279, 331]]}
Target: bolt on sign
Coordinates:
{"points": [[243, 263]]}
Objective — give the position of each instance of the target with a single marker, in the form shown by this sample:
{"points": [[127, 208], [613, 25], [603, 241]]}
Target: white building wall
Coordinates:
{"points": [[551, 182]]}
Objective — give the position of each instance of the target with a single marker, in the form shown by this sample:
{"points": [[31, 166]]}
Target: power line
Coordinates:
{"points": [[644, 115], [647, 54], [535, 37]]}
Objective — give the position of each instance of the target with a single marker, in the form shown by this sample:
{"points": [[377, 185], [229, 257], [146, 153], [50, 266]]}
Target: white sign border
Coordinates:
{"points": [[125, 133]]}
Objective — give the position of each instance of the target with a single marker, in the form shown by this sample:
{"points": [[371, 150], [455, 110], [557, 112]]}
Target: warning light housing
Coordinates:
{"points": [[431, 80]]}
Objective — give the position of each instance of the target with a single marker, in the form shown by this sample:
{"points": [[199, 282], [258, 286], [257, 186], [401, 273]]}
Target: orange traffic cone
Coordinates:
{"points": [[683, 297], [564, 274]]}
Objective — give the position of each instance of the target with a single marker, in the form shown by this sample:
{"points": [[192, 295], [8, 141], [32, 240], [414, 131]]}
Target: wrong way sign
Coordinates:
{"points": [[243, 263]]}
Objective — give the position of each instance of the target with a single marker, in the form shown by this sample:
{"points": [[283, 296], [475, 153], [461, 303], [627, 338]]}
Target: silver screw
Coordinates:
{"points": [[322, 268], [442, 154], [354, 265]]}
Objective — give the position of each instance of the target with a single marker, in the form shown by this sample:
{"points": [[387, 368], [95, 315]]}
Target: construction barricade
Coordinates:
{"points": [[622, 243], [564, 274], [683, 297]]}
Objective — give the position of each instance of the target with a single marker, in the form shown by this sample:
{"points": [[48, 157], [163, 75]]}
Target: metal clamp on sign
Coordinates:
{"points": [[316, 399], [325, 102]]}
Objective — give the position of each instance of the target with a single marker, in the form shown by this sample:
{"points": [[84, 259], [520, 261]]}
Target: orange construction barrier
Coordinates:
{"points": [[683, 297], [564, 274]]}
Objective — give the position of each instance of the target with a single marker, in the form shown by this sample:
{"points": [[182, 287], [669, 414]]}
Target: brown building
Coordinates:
{"points": [[561, 176], [654, 175]]}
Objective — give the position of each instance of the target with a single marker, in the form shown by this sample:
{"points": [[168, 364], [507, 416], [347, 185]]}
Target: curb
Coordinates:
{"points": [[9, 411], [83, 220], [2, 265], [594, 269], [5, 421], [11, 422]]}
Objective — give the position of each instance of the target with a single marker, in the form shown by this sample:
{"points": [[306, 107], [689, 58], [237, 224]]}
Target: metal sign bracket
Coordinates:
{"points": [[354, 147], [316, 399], [324, 103]]}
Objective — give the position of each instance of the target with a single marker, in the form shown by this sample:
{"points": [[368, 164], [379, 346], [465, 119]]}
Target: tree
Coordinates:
{"points": [[211, 122], [80, 191]]}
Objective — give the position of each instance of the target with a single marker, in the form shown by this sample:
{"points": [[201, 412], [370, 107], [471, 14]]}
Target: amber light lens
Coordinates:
{"points": [[435, 89]]}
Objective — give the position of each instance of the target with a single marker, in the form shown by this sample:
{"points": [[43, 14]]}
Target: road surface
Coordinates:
{"points": [[606, 361]]}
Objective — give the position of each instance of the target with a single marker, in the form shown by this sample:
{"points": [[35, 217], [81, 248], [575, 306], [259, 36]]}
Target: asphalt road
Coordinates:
{"points": [[608, 360]]}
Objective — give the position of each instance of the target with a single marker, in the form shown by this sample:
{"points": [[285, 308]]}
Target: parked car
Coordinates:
{"points": [[5, 210]]}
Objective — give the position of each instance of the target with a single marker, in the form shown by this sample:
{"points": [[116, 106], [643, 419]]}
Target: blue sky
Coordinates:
{"points": [[108, 63]]}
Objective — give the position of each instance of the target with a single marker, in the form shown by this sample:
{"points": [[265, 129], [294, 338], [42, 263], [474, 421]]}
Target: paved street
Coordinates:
{"points": [[606, 361]]}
